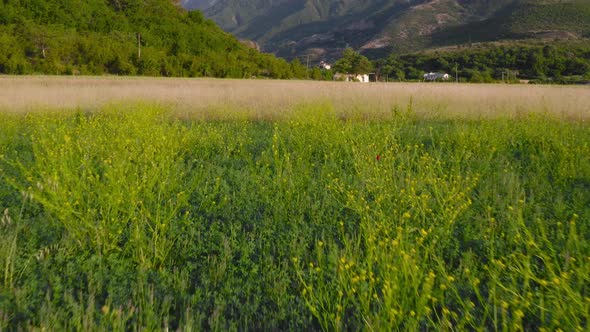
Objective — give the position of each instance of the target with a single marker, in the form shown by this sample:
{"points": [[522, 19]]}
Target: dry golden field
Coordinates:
{"points": [[271, 99]]}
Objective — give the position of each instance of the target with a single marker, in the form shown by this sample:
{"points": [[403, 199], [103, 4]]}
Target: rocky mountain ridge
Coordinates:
{"points": [[322, 28]]}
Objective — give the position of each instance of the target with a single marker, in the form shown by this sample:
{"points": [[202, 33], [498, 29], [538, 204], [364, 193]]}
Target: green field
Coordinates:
{"points": [[131, 217]]}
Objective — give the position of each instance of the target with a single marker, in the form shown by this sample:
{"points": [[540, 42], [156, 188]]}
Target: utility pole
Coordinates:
{"points": [[307, 65], [139, 45]]}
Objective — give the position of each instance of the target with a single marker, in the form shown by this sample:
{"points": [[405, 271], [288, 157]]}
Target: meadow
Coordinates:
{"points": [[160, 204]]}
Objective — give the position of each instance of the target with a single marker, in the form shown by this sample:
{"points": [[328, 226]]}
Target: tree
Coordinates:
{"points": [[537, 64], [353, 63], [98, 36], [298, 70]]}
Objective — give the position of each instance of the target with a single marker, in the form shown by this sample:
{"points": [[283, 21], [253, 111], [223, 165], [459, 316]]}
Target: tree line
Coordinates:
{"points": [[551, 63], [565, 63]]}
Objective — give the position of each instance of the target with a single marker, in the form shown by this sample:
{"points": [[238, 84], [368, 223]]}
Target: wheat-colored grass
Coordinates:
{"points": [[208, 98]]}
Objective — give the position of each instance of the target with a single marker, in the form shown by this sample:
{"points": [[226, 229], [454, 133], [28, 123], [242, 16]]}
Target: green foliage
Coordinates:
{"points": [[151, 38], [353, 63], [554, 62], [571, 15], [520, 19], [130, 219]]}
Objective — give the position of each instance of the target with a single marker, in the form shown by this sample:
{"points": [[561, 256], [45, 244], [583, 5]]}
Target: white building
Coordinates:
{"points": [[436, 76], [325, 65], [363, 78]]}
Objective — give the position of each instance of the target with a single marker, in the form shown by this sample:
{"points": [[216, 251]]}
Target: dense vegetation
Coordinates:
{"points": [[353, 63], [101, 37], [553, 62], [129, 218]]}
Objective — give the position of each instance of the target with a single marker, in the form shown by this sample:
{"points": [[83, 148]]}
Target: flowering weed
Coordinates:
{"points": [[131, 218]]}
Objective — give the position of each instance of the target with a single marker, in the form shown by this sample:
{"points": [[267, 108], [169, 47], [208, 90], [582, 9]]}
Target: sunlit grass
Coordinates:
{"points": [[143, 217], [272, 99]]}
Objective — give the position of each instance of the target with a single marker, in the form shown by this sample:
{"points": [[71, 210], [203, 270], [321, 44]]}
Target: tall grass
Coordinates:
{"points": [[133, 218], [272, 99]]}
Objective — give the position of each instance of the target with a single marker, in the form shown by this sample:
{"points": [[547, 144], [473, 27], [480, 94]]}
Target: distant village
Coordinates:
{"points": [[372, 77]]}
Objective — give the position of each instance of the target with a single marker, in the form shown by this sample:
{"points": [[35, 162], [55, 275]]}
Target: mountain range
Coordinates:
{"points": [[322, 28]]}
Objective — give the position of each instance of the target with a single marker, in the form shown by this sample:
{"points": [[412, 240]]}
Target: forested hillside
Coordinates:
{"points": [[124, 37], [549, 19]]}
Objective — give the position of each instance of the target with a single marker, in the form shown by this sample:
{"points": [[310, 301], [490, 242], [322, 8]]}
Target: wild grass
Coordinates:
{"points": [[131, 217], [271, 99]]}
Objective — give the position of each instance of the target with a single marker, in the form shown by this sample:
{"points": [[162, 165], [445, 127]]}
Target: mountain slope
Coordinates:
{"points": [[123, 37], [292, 28], [525, 19], [197, 4]]}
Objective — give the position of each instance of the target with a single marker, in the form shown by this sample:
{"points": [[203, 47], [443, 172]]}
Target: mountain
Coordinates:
{"points": [[322, 28], [124, 37], [197, 4]]}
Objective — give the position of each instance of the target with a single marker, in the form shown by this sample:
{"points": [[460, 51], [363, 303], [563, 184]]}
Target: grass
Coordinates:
{"points": [[271, 99], [325, 217]]}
